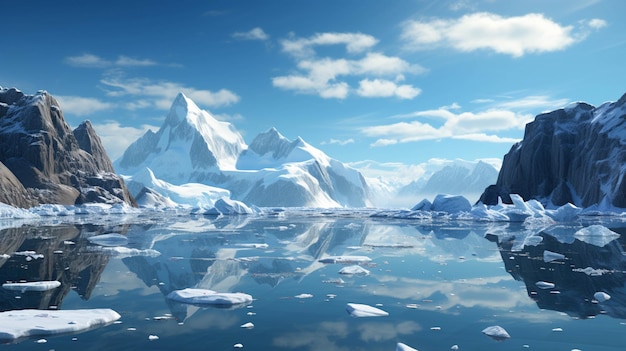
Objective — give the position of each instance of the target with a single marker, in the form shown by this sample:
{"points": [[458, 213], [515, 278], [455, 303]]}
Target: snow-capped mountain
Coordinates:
{"points": [[575, 154], [194, 147]]}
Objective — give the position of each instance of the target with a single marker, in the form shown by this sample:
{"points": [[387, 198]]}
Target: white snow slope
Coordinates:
{"points": [[194, 147]]}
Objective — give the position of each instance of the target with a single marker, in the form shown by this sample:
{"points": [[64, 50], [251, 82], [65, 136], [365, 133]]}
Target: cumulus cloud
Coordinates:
{"points": [[80, 106], [515, 36], [116, 138], [329, 77], [160, 94], [477, 126], [256, 33]]}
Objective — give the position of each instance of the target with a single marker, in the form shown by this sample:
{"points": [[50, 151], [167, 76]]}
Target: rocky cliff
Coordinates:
{"points": [[51, 163], [576, 154]]}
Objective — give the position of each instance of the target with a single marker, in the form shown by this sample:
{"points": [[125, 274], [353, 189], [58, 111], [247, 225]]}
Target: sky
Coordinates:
{"points": [[385, 86]]}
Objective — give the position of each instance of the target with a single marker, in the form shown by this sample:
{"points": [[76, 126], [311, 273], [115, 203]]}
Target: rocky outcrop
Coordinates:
{"points": [[52, 163], [575, 154]]}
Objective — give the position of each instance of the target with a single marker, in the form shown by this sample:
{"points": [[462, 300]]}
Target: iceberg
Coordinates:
{"points": [[25, 323], [549, 256], [109, 240], [451, 204], [404, 347], [354, 270], [209, 297], [361, 310], [496, 332], [544, 285], [596, 234], [601, 296], [32, 286]]}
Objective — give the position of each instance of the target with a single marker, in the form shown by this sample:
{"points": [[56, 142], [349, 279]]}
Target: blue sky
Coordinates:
{"points": [[394, 82]]}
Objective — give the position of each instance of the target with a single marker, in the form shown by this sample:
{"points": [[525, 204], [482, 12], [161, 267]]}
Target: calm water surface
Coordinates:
{"points": [[441, 282]]}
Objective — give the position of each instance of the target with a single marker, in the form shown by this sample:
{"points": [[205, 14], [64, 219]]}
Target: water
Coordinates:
{"points": [[441, 282]]}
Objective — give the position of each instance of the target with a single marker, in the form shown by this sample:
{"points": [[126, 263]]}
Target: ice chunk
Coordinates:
{"points": [[123, 252], [209, 297], [32, 286], [423, 205], [544, 285], [361, 310], [25, 323], [597, 235], [451, 204], [345, 259], [303, 296], [549, 256], [238, 346], [153, 337], [248, 325], [404, 347], [109, 240], [496, 332], [565, 213], [354, 269], [601, 296]]}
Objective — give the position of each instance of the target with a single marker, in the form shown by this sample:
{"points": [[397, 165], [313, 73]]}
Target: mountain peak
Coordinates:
{"points": [[181, 107]]}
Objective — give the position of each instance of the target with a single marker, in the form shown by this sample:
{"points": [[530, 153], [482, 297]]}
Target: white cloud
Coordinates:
{"points": [[338, 142], [386, 88], [256, 33], [87, 60], [116, 138], [597, 23], [327, 77], [160, 94], [126, 61], [80, 106], [354, 42], [515, 36], [465, 125]]}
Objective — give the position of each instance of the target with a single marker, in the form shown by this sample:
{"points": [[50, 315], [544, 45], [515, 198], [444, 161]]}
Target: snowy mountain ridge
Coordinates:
{"points": [[193, 147]]}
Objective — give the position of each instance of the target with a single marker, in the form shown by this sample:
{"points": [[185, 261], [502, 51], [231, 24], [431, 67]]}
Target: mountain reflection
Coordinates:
{"points": [[585, 270], [58, 253]]}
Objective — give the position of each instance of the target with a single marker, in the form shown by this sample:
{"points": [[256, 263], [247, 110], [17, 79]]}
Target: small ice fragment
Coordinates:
{"points": [[544, 285], [411, 305], [331, 296], [238, 346], [496, 332], [153, 337], [248, 325], [251, 314], [303, 296], [549, 256], [354, 270], [109, 240], [601, 296], [209, 297], [404, 347], [361, 310], [41, 341], [32, 286], [435, 328], [131, 329], [345, 259], [454, 347], [557, 329]]}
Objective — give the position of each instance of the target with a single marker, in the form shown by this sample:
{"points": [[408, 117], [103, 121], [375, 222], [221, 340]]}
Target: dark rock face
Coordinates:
{"points": [[39, 149], [574, 155]]}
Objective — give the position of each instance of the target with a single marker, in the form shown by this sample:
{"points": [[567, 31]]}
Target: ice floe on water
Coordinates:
{"points": [[404, 347], [544, 285], [596, 234], [496, 332], [345, 259], [549, 256], [28, 323], [601, 296], [209, 297], [354, 270], [123, 252], [109, 240], [32, 286], [362, 310]]}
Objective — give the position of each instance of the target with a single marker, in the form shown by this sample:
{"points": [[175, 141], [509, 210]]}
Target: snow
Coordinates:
{"points": [[404, 347], [32, 286], [209, 297], [26, 323], [361, 310], [496, 332]]}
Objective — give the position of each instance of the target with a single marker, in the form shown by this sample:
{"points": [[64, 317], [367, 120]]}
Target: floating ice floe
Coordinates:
{"points": [[544, 285], [209, 297], [303, 296], [549, 256], [361, 310], [248, 325], [596, 235], [32, 286], [345, 259], [601, 296], [354, 270], [27, 323], [496, 332], [592, 271], [123, 252], [404, 347], [253, 246], [109, 240]]}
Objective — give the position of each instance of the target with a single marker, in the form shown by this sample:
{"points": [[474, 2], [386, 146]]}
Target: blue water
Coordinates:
{"points": [[441, 282]]}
